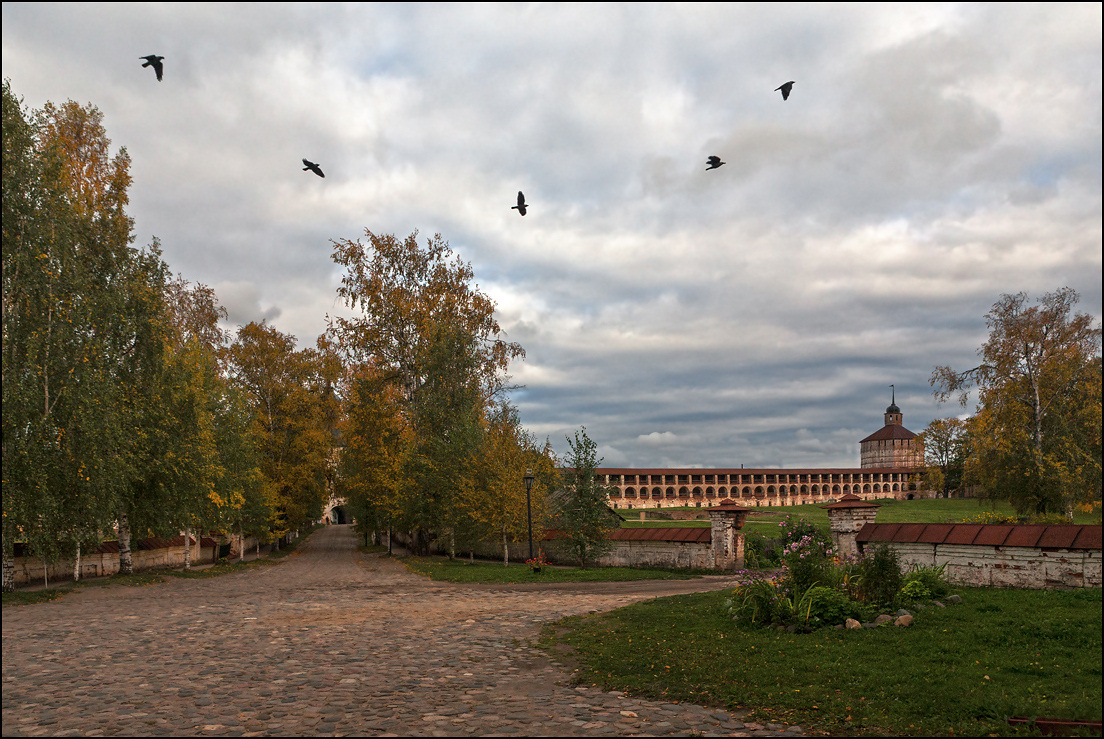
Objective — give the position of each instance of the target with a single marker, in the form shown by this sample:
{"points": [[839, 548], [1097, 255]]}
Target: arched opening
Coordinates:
{"points": [[338, 515]]}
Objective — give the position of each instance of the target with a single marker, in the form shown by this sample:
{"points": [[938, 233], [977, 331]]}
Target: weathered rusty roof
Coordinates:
{"points": [[851, 501], [891, 431], [1057, 536]]}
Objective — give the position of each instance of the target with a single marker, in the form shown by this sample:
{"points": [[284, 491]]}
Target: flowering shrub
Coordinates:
{"points": [[990, 517], [536, 563], [807, 562], [816, 588], [758, 601], [794, 530]]}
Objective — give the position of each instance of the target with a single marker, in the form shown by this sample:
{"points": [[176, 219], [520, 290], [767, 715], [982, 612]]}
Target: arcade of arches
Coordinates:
{"points": [[891, 460], [665, 488]]}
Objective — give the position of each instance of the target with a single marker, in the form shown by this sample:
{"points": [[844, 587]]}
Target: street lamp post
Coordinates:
{"points": [[529, 507]]}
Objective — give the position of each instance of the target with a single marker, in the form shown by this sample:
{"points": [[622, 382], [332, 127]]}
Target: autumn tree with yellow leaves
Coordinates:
{"points": [[290, 393], [116, 412], [80, 322], [1036, 437], [435, 352]]}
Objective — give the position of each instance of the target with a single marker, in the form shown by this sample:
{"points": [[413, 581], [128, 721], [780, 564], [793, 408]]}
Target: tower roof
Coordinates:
{"points": [[891, 431]]}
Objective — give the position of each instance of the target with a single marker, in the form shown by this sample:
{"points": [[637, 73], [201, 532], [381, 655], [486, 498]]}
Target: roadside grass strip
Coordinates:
{"points": [[463, 571]]}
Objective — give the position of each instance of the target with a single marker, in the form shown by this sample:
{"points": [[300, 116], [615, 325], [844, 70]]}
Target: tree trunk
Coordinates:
{"points": [[188, 548], [452, 544], [76, 565], [126, 560], [505, 548], [9, 571]]}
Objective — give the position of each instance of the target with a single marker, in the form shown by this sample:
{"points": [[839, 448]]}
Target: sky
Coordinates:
{"points": [[929, 159]]}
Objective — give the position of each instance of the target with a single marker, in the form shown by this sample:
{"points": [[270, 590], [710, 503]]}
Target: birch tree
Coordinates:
{"points": [[1035, 439]]}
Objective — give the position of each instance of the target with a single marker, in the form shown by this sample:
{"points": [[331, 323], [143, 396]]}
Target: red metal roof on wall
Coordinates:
{"points": [[1059, 536]]}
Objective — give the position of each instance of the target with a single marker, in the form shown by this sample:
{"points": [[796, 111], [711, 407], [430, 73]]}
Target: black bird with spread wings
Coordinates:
{"points": [[313, 168], [785, 89], [154, 61], [714, 162], [521, 206]]}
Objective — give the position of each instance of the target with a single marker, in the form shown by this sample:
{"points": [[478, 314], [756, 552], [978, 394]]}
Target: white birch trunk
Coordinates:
{"points": [[9, 571], [76, 565], [187, 548], [126, 560], [505, 548]]}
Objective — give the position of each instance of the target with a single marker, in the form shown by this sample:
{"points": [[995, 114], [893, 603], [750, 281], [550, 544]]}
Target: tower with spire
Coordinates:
{"points": [[893, 445]]}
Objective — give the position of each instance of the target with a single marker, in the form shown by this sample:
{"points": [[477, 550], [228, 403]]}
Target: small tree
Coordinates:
{"points": [[944, 442], [583, 514]]}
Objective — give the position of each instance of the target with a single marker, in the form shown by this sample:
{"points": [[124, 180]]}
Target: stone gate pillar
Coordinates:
{"points": [[845, 518], [726, 520]]}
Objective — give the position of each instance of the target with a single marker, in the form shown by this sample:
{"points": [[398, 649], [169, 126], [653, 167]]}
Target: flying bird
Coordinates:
{"points": [[714, 162], [313, 168], [154, 61], [785, 88], [521, 206]]}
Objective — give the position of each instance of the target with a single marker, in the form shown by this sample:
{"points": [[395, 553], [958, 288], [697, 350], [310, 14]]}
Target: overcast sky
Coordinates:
{"points": [[929, 159]]}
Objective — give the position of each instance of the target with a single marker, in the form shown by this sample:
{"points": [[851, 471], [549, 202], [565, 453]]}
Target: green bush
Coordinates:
{"points": [[759, 601], [876, 576], [915, 591], [830, 607], [761, 552], [931, 578]]}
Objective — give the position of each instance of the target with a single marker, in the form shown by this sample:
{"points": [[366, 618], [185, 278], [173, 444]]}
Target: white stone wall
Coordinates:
{"points": [[671, 554], [101, 564], [1020, 567]]}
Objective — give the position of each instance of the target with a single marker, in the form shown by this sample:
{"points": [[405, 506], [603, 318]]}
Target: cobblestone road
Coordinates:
{"points": [[327, 642]]}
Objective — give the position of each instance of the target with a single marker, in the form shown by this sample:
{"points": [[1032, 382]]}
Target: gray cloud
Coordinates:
{"points": [[930, 158]]}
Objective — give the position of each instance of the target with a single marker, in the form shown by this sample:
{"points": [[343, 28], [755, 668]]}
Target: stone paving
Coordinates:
{"points": [[328, 642]]}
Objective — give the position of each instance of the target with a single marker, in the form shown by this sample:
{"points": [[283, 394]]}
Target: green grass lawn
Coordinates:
{"points": [[765, 519], [956, 671], [459, 570]]}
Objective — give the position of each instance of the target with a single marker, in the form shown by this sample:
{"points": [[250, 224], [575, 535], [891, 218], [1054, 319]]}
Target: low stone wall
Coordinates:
{"points": [[1015, 567], [147, 554], [1025, 556], [667, 554], [675, 548]]}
